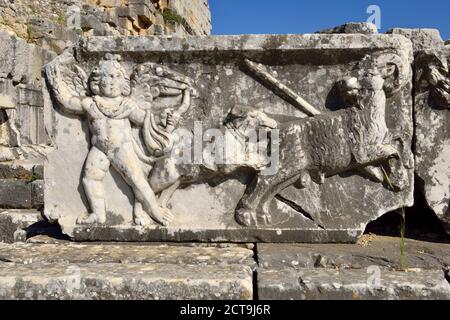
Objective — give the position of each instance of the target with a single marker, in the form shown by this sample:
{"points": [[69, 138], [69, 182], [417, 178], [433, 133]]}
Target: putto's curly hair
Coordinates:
{"points": [[114, 61]]}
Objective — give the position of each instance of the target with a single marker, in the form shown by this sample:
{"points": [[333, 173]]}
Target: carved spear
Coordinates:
{"points": [[300, 103]]}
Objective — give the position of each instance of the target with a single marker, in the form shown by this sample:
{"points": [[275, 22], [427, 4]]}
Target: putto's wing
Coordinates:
{"points": [[75, 79], [67, 73]]}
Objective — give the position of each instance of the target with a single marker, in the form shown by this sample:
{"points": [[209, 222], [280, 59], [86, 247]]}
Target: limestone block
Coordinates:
{"points": [[15, 194], [15, 220], [181, 254], [125, 282], [432, 118], [382, 252], [323, 284], [37, 194], [125, 271], [353, 27], [337, 107]]}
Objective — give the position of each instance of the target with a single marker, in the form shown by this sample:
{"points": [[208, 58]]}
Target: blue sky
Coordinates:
{"points": [[308, 16]]}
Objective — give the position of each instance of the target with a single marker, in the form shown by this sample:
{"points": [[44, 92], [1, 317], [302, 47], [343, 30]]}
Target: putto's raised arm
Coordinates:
{"points": [[72, 99]]}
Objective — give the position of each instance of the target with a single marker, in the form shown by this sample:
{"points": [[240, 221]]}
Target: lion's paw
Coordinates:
{"points": [[246, 217]]}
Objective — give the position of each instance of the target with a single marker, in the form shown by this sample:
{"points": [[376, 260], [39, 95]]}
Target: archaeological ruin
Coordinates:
{"points": [[148, 159]]}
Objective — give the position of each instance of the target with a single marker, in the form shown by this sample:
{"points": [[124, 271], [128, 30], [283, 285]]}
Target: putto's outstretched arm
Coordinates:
{"points": [[70, 103]]}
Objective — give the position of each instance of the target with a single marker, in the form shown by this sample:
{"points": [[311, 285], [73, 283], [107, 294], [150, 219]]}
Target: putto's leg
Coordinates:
{"points": [[96, 167], [141, 218], [126, 162], [167, 194]]}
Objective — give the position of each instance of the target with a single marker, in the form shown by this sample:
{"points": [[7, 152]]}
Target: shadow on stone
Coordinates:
{"points": [[44, 228], [421, 222]]}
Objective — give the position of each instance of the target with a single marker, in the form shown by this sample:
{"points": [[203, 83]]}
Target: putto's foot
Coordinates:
{"points": [[167, 217], [140, 217], [92, 219], [164, 216]]}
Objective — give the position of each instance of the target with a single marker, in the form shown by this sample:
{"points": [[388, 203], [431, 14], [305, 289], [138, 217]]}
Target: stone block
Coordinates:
{"points": [[125, 271], [382, 252], [15, 194], [20, 170], [353, 28], [110, 3], [30, 96], [422, 39], [13, 220], [326, 284], [177, 254], [432, 118], [125, 282], [37, 194], [339, 104]]}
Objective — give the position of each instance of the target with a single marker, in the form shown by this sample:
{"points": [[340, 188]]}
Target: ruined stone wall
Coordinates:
{"points": [[53, 23]]}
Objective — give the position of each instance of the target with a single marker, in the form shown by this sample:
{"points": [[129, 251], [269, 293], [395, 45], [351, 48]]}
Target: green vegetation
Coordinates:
{"points": [[170, 16], [402, 227]]}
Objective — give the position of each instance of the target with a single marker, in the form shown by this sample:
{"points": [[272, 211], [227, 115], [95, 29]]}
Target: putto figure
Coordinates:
{"points": [[112, 103]]}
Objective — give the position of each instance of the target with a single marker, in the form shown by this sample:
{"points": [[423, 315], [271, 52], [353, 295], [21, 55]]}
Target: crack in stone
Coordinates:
{"points": [[299, 209], [3, 259], [447, 275]]}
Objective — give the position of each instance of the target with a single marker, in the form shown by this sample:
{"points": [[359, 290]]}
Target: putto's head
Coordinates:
{"points": [[109, 78]]}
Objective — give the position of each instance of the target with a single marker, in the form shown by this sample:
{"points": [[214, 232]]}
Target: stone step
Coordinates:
{"points": [[125, 271], [125, 281], [13, 223], [355, 284], [367, 270], [25, 253], [380, 251]]}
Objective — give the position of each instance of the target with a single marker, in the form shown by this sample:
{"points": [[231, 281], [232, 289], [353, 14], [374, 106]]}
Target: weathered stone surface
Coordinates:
{"points": [[122, 271], [21, 84], [124, 281], [15, 194], [422, 39], [71, 253], [53, 24], [22, 170], [37, 194], [326, 284], [353, 27], [13, 220], [334, 205], [432, 119], [381, 251]]}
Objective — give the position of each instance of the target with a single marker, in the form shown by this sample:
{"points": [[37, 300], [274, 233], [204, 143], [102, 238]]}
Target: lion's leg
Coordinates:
{"points": [[270, 194], [95, 169], [258, 197]]}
